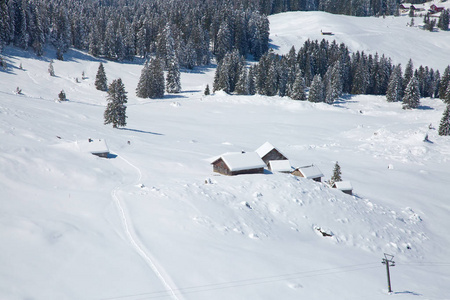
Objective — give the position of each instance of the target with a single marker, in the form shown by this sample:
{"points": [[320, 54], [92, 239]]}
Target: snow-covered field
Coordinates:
{"points": [[154, 221]]}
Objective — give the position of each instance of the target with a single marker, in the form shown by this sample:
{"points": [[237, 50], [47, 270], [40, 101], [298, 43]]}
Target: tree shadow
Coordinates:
{"points": [[174, 96], [140, 131], [199, 69], [425, 107], [409, 293]]}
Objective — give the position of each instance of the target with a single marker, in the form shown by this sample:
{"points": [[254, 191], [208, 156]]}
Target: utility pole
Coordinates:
{"points": [[387, 260]]}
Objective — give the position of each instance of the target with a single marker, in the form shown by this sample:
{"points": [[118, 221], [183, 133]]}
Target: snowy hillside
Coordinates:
{"points": [[389, 36], [154, 221]]}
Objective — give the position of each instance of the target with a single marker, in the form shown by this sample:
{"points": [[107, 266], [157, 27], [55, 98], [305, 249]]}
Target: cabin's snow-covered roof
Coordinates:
{"points": [[242, 161], [280, 165], [93, 146], [310, 172], [343, 185], [266, 148]]}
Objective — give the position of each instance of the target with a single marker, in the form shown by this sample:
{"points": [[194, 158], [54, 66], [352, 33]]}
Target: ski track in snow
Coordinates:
{"points": [[134, 240]]}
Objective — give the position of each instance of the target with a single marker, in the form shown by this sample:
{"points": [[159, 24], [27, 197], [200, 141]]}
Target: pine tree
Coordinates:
{"points": [[444, 126], [173, 84], [336, 174], [101, 82], [298, 88], [251, 80], [316, 93], [51, 70], [409, 73], [444, 83], [115, 111], [394, 89], [151, 83], [411, 99], [207, 92], [242, 83], [444, 19]]}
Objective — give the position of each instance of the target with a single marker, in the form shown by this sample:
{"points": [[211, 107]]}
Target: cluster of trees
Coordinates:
{"points": [[119, 30], [329, 70]]}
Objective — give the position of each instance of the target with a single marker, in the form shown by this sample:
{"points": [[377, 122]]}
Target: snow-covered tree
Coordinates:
{"points": [[336, 174], [394, 89], [173, 84], [444, 19], [207, 91], [298, 88], [444, 126], [151, 83], [242, 83], [115, 111], [409, 73], [444, 83], [316, 93], [411, 98], [51, 70], [101, 82]]}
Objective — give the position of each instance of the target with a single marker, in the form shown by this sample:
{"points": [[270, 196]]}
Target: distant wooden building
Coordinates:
{"points": [[96, 147], [344, 186], [326, 32], [281, 166], [309, 172], [238, 163], [435, 9], [268, 152]]}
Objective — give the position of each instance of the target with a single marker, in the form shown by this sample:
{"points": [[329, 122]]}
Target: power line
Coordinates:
{"points": [[247, 282]]}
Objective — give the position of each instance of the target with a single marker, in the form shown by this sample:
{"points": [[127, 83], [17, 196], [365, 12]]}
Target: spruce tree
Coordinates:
{"points": [[444, 126], [444, 19], [298, 88], [409, 73], [316, 93], [207, 92], [336, 174], [151, 83], [444, 83], [101, 82], [394, 88], [411, 99], [242, 83], [115, 111], [173, 84]]}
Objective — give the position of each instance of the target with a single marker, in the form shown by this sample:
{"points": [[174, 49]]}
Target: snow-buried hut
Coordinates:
{"points": [[238, 163], [96, 147], [268, 152], [309, 172], [344, 186]]}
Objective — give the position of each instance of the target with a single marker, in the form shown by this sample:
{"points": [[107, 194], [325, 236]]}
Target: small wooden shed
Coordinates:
{"points": [[238, 163], [344, 186], [282, 166], [268, 152], [96, 147], [309, 172]]}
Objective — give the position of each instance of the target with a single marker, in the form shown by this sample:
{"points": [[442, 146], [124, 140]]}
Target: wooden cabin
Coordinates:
{"points": [[344, 186], [268, 152], [309, 172], [96, 147], [281, 166], [238, 163]]}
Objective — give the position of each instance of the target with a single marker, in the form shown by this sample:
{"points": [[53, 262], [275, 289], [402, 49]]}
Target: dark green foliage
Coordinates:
{"points": [[115, 111], [228, 71], [101, 82], [207, 92], [444, 126], [444, 83]]}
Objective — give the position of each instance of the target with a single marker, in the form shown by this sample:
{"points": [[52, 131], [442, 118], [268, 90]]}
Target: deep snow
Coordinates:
{"points": [[154, 221]]}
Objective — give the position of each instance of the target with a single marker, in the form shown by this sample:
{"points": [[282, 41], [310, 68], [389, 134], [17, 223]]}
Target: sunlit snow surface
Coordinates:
{"points": [[154, 221]]}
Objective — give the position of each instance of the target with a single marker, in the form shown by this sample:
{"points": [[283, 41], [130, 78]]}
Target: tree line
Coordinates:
{"points": [[329, 70], [122, 29]]}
